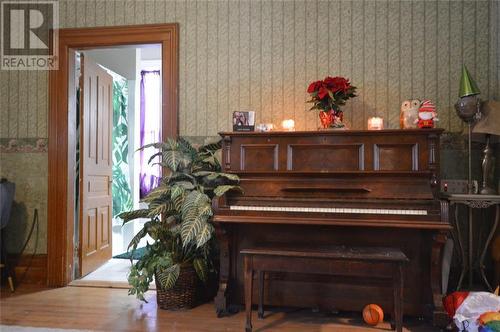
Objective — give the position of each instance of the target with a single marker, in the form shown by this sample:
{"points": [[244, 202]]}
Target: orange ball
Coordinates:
{"points": [[373, 314]]}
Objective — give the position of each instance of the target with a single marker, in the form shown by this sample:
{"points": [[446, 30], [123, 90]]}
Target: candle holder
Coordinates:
{"points": [[288, 125], [375, 123]]}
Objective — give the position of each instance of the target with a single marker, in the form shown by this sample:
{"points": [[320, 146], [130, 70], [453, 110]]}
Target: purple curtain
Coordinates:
{"points": [[150, 129]]}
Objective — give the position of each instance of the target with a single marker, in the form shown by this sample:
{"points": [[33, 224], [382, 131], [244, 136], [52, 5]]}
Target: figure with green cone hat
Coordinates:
{"points": [[468, 86], [468, 109], [468, 106]]}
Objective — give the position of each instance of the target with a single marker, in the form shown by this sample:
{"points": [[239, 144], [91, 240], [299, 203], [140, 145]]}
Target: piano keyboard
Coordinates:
{"points": [[327, 210]]}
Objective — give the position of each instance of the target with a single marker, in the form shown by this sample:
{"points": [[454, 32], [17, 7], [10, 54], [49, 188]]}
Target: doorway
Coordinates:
{"points": [[120, 87], [63, 136]]}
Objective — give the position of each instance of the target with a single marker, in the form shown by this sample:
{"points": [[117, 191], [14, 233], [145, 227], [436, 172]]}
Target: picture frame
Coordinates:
{"points": [[244, 121]]}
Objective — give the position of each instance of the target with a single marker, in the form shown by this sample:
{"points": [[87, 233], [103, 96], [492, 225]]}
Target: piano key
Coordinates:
{"points": [[327, 210]]}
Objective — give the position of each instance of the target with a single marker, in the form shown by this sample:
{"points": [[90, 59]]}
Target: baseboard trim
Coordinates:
{"points": [[29, 269]]}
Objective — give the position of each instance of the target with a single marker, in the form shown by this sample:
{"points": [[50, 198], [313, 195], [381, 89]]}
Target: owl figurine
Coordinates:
{"points": [[409, 114]]}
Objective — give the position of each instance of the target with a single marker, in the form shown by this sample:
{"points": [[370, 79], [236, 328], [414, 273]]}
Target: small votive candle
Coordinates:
{"points": [[288, 125], [264, 127], [375, 123]]}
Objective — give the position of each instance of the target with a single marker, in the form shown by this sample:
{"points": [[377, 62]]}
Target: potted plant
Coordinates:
{"points": [[327, 96], [180, 226]]}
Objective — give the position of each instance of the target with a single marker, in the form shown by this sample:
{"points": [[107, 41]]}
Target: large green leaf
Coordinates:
{"points": [[172, 159], [221, 190], [194, 200], [165, 261], [200, 266], [211, 147], [168, 277], [157, 193], [187, 148], [131, 215], [138, 237], [215, 175], [191, 226], [177, 190], [154, 156], [178, 176], [166, 207], [169, 144], [178, 194], [186, 185], [204, 234], [205, 209]]}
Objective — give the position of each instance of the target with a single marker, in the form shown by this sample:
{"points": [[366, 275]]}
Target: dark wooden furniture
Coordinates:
{"points": [[331, 188], [344, 261], [471, 262]]}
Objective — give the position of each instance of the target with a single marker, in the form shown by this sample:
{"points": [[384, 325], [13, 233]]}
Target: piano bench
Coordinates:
{"points": [[384, 263]]}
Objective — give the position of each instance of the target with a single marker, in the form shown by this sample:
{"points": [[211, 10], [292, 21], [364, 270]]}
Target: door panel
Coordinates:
{"points": [[96, 167]]}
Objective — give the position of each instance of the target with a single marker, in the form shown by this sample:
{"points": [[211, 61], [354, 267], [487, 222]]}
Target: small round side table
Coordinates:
{"points": [[472, 201]]}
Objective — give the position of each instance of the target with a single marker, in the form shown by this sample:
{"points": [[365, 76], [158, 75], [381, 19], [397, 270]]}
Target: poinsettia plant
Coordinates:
{"points": [[330, 93]]}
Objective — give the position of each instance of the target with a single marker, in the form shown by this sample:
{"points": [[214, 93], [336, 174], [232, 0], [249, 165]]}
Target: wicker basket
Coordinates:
{"points": [[182, 295]]}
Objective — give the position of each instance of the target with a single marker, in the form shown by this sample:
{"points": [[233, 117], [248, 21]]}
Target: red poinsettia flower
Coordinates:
{"points": [[331, 93], [340, 84], [329, 82], [323, 92], [314, 86]]}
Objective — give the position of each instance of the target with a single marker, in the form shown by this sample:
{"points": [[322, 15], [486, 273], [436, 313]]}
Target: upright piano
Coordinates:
{"points": [[331, 188]]}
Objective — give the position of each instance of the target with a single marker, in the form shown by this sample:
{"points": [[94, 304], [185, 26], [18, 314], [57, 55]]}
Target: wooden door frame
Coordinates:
{"points": [[62, 136]]}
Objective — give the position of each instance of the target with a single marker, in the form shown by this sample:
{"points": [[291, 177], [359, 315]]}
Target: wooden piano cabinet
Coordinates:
{"points": [[422, 273], [373, 177]]}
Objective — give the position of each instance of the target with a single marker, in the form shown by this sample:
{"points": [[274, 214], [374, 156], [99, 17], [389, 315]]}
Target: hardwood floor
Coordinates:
{"points": [[108, 309]]}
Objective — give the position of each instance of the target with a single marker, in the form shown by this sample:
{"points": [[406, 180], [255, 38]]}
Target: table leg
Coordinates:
{"points": [[460, 247], [248, 291], [398, 297], [260, 312], [486, 245], [471, 247]]}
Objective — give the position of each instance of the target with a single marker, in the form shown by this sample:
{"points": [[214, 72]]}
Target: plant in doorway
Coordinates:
{"points": [[179, 212]]}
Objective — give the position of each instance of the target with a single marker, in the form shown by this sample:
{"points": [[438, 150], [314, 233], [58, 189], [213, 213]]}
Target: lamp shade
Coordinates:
{"points": [[490, 118], [468, 86]]}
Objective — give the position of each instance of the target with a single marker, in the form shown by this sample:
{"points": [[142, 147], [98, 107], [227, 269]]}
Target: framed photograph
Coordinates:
{"points": [[244, 121]]}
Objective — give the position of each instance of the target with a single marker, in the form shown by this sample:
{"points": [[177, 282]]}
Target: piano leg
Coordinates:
{"points": [[439, 317], [221, 300], [261, 295]]}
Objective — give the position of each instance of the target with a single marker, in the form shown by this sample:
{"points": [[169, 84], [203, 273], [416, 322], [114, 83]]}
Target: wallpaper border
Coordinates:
{"points": [[26, 145]]}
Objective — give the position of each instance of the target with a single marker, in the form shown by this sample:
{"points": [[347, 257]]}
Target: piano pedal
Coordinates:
{"points": [[315, 310], [334, 311]]}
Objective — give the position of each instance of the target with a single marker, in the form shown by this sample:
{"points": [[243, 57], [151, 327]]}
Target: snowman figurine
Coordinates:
{"points": [[426, 115]]}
